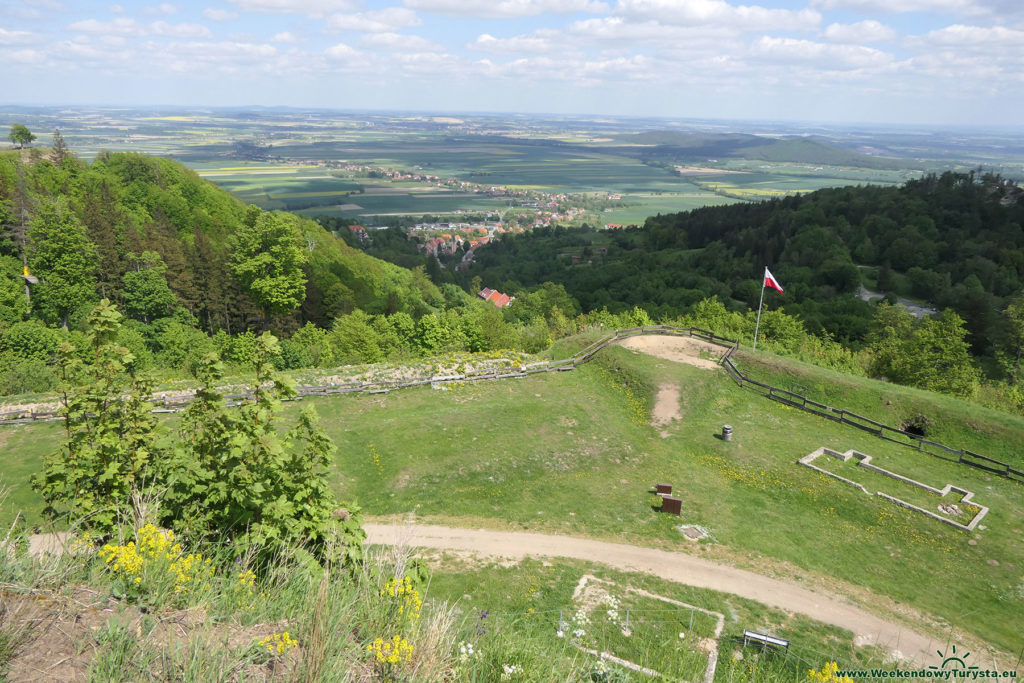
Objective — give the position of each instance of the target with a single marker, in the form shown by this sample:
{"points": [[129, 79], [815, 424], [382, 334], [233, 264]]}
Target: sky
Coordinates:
{"points": [[911, 62]]}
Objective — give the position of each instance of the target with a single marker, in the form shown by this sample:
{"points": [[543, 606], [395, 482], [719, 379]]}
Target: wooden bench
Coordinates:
{"points": [[764, 640]]}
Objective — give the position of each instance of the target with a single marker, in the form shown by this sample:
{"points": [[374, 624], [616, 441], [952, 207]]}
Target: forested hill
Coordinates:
{"points": [[953, 240], [679, 147], [140, 220]]}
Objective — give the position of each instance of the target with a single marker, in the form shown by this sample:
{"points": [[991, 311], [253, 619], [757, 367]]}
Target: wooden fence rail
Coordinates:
{"points": [[791, 398]]}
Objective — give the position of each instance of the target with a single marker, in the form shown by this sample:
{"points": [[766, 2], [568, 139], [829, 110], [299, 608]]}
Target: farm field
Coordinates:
{"points": [[552, 156], [458, 456], [642, 205]]}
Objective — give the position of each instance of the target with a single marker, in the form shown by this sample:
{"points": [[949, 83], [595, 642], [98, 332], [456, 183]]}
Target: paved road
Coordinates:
{"points": [[678, 567]]}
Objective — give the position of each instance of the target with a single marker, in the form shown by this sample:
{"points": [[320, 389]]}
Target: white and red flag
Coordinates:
{"points": [[770, 281]]}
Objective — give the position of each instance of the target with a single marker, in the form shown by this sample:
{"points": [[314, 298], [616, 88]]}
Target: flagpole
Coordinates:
{"points": [[760, 303]]}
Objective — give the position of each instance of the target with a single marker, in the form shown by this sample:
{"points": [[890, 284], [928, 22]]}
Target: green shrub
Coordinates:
{"points": [[31, 340], [25, 375]]}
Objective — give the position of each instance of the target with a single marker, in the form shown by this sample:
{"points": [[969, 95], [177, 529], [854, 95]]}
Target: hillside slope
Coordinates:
{"points": [[130, 203]]}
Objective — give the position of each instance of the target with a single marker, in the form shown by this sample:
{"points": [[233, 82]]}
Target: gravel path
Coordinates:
{"points": [[679, 567]]}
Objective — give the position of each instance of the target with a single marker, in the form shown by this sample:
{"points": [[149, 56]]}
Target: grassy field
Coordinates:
{"points": [[459, 455], [642, 205]]}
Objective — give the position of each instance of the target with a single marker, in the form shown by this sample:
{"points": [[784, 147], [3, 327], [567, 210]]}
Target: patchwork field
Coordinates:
{"points": [[556, 156]]}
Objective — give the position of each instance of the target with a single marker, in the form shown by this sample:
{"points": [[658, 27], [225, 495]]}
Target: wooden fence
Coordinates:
{"points": [[843, 416], [962, 456]]}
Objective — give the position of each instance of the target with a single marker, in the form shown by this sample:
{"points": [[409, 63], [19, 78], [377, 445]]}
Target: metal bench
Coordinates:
{"points": [[764, 640]]}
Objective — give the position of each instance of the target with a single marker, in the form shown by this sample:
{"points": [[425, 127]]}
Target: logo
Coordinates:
{"points": [[954, 661]]}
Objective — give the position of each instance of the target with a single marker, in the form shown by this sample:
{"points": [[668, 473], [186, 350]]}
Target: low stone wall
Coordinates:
{"points": [[864, 460]]}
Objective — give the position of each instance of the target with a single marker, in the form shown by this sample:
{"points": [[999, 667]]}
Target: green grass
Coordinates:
{"points": [[532, 597], [643, 205], [875, 481], [572, 453]]}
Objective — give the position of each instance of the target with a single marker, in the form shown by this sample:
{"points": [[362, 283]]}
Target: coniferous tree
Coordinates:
{"points": [[60, 148]]}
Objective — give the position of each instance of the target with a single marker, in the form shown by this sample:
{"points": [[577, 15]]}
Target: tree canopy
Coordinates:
{"points": [[20, 135]]}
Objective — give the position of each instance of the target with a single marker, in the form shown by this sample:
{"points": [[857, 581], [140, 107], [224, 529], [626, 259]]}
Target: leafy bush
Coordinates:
{"points": [[178, 345], [25, 375], [31, 340], [107, 460], [233, 476]]}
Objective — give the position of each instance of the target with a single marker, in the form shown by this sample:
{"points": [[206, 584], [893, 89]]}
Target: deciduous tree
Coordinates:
{"points": [[146, 294], [63, 258], [20, 135], [267, 259]]}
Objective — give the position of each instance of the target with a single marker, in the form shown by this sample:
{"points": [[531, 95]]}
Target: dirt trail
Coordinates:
{"points": [[678, 567], [666, 408]]}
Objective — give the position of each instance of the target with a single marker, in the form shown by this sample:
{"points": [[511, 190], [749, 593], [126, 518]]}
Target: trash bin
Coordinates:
{"points": [[671, 505], [727, 433]]}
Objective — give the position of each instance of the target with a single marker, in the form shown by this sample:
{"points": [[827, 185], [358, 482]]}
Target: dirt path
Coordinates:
{"points": [[666, 408], [678, 567]]}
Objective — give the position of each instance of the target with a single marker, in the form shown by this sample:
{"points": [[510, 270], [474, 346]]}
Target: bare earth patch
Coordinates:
{"points": [[666, 408], [677, 349], [64, 631]]}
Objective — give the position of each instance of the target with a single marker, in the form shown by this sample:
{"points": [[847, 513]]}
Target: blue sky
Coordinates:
{"points": [[891, 61]]}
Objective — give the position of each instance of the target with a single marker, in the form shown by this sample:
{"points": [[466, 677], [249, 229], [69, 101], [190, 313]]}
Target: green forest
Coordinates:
{"points": [[194, 270], [952, 242]]}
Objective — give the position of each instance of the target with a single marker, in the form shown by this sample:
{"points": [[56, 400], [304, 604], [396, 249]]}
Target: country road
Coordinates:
{"points": [[672, 566]]}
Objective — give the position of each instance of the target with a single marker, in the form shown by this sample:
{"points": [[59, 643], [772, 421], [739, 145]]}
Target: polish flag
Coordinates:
{"points": [[770, 281]]}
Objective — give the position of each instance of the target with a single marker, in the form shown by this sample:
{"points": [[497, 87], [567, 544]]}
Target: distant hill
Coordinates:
{"points": [[674, 146]]}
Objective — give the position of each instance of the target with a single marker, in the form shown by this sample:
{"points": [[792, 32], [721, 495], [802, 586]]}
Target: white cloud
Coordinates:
{"points": [[199, 56], [384, 20], [116, 27], [27, 57], [162, 28], [618, 31], [341, 51], [994, 38], [718, 12], [821, 55], [47, 5], [399, 42], [869, 31], [897, 6], [312, 8], [577, 71], [15, 37], [485, 42], [163, 8], [116, 9], [497, 9], [613, 35], [219, 14], [130, 28], [284, 37]]}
